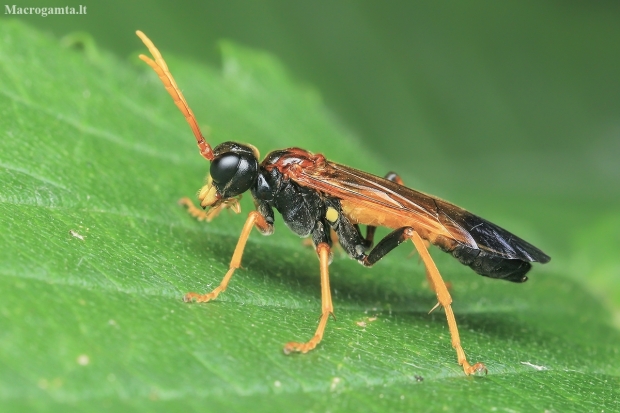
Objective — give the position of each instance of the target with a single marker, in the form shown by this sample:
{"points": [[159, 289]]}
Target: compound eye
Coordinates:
{"points": [[224, 168], [233, 173]]}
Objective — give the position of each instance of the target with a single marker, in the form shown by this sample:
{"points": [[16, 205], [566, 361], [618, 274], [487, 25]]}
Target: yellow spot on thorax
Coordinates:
{"points": [[331, 214]]}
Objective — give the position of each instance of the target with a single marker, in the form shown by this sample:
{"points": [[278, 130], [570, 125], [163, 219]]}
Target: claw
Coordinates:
{"points": [[475, 369]]}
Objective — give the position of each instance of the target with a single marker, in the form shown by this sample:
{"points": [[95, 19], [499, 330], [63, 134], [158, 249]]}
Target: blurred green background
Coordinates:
{"points": [[515, 101], [464, 85]]}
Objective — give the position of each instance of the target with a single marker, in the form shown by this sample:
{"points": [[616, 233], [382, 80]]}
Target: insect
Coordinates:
{"points": [[315, 196]]}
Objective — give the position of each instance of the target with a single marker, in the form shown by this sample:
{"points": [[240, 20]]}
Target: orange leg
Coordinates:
{"points": [[323, 251], [202, 215], [254, 218], [198, 213], [307, 242], [445, 300]]}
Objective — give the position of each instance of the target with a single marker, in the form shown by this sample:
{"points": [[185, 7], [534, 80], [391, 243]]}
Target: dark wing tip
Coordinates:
{"points": [[487, 236], [492, 265], [542, 258]]}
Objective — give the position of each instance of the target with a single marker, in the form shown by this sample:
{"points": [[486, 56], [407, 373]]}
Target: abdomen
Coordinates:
{"points": [[486, 248]]}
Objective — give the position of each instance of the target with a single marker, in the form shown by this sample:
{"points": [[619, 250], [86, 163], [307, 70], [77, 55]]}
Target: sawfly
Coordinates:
{"points": [[316, 196]]}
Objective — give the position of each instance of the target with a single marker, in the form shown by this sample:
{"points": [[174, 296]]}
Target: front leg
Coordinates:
{"points": [[202, 215], [265, 226]]}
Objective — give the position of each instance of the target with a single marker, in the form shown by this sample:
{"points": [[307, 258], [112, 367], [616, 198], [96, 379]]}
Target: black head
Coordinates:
{"points": [[234, 169]]}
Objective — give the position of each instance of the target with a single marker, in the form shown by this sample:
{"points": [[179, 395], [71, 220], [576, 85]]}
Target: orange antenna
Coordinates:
{"points": [[161, 68]]}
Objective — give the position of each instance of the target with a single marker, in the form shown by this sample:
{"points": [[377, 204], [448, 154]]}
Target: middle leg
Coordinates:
{"points": [[323, 250]]}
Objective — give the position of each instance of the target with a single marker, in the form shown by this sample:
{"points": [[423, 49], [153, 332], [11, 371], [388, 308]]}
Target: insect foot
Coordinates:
{"points": [[294, 347], [477, 368], [201, 298]]}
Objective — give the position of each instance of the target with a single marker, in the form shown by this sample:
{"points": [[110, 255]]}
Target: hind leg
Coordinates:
{"points": [[444, 299]]}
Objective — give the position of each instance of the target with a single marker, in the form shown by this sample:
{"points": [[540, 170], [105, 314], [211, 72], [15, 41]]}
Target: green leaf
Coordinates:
{"points": [[96, 255]]}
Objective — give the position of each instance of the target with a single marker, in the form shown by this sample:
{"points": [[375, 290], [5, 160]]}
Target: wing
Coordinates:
{"points": [[371, 200]]}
